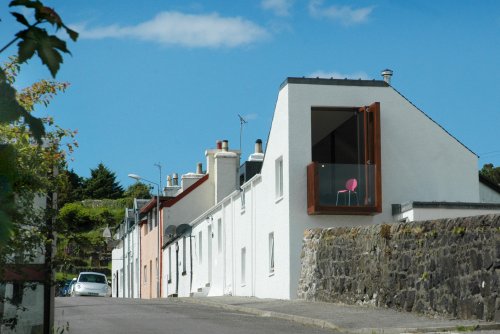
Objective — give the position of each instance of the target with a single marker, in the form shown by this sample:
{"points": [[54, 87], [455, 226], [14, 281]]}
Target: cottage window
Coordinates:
{"points": [[200, 246], [150, 221], [243, 265], [279, 178], [169, 278], [145, 273], [219, 235], [184, 256], [271, 252], [242, 198]]}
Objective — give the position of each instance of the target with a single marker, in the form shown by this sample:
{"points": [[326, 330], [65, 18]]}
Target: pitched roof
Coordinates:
{"points": [[487, 182], [169, 201]]}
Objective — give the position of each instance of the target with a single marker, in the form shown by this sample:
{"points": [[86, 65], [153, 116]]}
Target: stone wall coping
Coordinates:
{"points": [[407, 206]]}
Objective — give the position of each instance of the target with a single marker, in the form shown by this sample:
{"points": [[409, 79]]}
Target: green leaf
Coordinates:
{"points": [[36, 39], [20, 18], [26, 3], [50, 57], [27, 46]]}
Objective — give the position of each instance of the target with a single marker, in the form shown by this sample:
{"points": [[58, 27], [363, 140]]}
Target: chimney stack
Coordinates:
{"points": [[387, 74], [257, 155], [169, 181], [175, 179], [199, 168]]}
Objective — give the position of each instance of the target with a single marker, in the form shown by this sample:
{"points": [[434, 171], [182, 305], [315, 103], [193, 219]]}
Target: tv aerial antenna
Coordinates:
{"points": [[243, 121]]}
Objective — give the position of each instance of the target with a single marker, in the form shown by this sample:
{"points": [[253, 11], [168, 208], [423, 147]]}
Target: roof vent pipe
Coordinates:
{"points": [[218, 144], [225, 145], [258, 146], [169, 181], [199, 169], [387, 74], [175, 179]]}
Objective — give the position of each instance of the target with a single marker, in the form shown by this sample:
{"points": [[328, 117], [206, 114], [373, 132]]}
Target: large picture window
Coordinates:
{"points": [[345, 174]]}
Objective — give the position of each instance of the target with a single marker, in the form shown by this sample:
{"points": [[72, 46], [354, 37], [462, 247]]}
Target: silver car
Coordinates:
{"points": [[90, 284]]}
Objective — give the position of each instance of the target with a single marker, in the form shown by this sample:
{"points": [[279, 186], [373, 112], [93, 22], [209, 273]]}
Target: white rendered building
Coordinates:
{"points": [[125, 256], [339, 153]]}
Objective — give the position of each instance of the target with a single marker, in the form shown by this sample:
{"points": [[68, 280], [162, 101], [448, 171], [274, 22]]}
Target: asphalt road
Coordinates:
{"points": [[127, 316]]}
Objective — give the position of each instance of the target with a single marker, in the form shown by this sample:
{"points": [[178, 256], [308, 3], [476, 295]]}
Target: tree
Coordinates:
{"points": [[73, 190], [33, 177], [32, 39], [491, 173], [102, 184], [138, 190]]}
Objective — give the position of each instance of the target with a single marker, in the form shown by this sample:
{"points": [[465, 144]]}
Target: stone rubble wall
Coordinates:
{"points": [[445, 267]]}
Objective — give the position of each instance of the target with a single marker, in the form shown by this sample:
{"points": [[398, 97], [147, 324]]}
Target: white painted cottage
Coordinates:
{"points": [[339, 153], [125, 256]]}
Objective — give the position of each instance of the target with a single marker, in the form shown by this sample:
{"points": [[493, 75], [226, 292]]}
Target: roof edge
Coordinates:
{"points": [[332, 81], [404, 207]]}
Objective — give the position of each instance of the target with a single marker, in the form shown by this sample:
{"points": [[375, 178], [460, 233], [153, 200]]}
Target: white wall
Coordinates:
{"points": [[189, 207], [117, 266], [488, 195], [421, 214], [420, 161]]}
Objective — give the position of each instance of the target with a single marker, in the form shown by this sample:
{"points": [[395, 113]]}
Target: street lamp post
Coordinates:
{"points": [[139, 178]]}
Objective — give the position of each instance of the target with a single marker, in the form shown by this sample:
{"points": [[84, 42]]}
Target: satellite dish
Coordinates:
{"points": [[170, 231], [182, 229]]}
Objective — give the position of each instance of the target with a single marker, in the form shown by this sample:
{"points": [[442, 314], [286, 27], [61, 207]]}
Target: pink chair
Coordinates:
{"points": [[350, 187]]}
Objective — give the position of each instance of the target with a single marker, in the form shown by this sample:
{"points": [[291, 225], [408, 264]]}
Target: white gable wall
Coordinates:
{"points": [[273, 215], [420, 161]]}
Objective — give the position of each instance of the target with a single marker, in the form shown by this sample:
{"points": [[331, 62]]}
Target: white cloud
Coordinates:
{"points": [[279, 7], [252, 116], [344, 14], [337, 75], [190, 30]]}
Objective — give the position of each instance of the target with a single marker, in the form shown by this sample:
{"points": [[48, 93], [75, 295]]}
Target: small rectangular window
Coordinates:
{"points": [[145, 273], [279, 177], [200, 246], [184, 255], [219, 235], [169, 278], [271, 252], [243, 265], [242, 198], [150, 221]]}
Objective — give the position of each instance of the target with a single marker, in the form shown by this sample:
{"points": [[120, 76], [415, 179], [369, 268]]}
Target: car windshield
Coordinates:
{"points": [[92, 278]]}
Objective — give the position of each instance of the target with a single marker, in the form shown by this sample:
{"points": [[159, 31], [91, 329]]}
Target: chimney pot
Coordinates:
{"points": [[258, 146], [387, 74], [218, 144], [199, 169], [175, 179], [225, 145], [169, 181]]}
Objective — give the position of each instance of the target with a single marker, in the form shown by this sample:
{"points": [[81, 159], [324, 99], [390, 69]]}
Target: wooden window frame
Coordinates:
{"points": [[373, 157]]}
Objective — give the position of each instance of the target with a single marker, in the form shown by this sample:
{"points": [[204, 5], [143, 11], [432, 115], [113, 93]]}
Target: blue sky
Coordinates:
{"points": [[160, 81]]}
